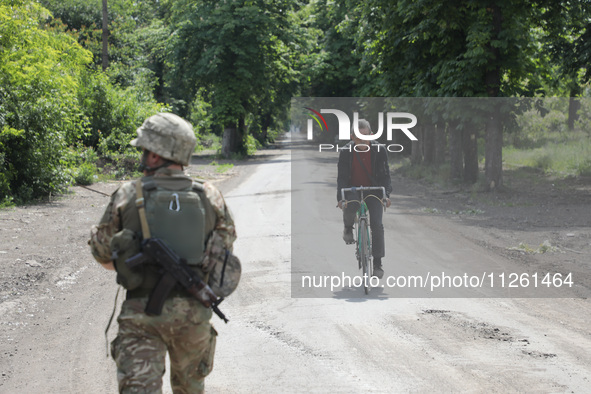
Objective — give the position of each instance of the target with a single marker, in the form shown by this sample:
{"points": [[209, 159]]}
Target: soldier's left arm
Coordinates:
{"points": [[109, 225], [100, 240]]}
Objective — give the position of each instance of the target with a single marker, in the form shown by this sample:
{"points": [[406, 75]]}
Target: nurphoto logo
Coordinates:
{"points": [[344, 132]]}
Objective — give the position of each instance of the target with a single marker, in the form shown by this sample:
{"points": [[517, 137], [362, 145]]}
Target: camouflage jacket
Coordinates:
{"points": [[122, 204]]}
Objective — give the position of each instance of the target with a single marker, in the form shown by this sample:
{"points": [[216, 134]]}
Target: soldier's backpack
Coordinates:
{"points": [[179, 214]]}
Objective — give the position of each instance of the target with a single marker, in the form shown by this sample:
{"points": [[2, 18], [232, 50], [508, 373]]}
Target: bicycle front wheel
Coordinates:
{"points": [[365, 255]]}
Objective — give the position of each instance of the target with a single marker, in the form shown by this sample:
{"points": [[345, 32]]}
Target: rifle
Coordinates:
{"points": [[176, 271]]}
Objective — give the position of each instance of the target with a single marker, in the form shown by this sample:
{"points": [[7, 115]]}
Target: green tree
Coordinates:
{"points": [[115, 102], [337, 72], [129, 34], [459, 48], [113, 113], [565, 41], [239, 51], [39, 116]]}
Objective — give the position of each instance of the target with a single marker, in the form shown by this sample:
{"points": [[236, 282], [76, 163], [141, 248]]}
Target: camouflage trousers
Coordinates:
{"points": [[183, 329]]}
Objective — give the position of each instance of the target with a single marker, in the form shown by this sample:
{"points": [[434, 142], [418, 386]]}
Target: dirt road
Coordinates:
{"points": [[55, 300]]}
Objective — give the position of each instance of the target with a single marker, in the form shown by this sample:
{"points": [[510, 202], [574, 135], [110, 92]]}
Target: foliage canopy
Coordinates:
{"points": [[237, 63]]}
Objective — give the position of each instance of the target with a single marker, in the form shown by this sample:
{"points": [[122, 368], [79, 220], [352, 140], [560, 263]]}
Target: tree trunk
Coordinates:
{"points": [[440, 143], [416, 153], [494, 128], [455, 151], [429, 143], [470, 149], [241, 133], [573, 106], [229, 140], [264, 135], [265, 129], [494, 151], [105, 36]]}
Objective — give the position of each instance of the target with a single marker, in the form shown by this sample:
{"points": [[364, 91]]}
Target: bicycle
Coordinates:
{"points": [[363, 234]]}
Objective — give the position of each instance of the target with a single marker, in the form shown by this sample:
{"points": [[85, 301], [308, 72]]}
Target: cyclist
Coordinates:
{"points": [[365, 163]]}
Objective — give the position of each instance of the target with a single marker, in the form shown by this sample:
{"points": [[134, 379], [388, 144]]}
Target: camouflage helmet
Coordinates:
{"points": [[167, 135]]}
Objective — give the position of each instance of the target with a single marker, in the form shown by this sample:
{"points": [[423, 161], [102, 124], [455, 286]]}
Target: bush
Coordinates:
{"points": [[200, 114], [81, 162], [534, 130], [85, 174], [119, 166], [251, 145], [543, 162], [51, 104], [114, 114], [39, 115], [584, 168], [209, 141]]}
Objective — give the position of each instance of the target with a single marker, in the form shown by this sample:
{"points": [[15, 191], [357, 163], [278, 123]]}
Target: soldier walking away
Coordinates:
{"points": [[192, 220], [366, 166]]}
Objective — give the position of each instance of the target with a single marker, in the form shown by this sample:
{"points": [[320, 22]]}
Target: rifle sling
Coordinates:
{"points": [[141, 207]]}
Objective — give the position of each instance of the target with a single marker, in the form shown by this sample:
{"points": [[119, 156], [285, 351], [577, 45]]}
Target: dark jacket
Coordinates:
{"points": [[379, 168]]}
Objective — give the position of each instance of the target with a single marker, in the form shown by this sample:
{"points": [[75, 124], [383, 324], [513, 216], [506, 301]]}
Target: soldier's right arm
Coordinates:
{"points": [[223, 233], [224, 222]]}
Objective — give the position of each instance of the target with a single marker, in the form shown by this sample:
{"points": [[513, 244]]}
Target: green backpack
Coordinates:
{"points": [[178, 213]]}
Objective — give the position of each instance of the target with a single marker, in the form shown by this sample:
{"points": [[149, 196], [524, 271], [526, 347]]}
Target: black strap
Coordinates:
{"points": [[111, 319], [371, 178], [224, 267]]}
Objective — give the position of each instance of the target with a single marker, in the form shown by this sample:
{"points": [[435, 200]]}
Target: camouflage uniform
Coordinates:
{"points": [[183, 328]]}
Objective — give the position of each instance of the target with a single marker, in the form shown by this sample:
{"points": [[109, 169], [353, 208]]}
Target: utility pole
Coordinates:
{"points": [[105, 36]]}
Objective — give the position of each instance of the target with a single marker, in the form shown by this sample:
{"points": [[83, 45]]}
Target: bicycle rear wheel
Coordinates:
{"points": [[365, 255]]}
